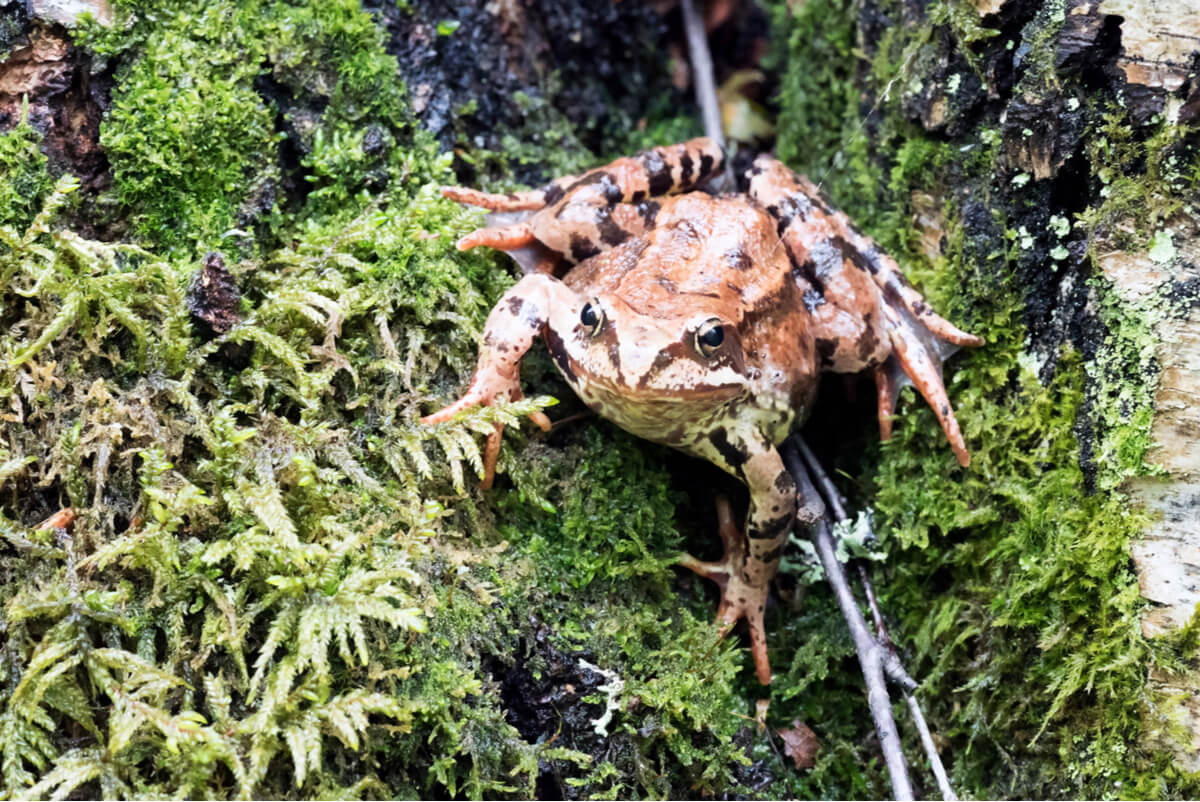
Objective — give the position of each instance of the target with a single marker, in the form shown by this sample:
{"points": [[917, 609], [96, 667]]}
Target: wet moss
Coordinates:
{"points": [[277, 584], [26, 181]]}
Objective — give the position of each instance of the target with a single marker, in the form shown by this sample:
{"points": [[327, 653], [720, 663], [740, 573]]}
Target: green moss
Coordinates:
{"points": [[25, 180], [1145, 178], [192, 137]]}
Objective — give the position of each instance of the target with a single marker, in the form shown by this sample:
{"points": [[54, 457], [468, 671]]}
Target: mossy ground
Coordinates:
{"points": [[277, 584]]}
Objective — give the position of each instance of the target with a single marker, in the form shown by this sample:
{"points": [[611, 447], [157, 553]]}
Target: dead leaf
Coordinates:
{"points": [[800, 744]]}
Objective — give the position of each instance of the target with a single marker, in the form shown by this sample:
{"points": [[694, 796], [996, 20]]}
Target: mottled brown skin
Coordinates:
{"points": [[703, 323]]}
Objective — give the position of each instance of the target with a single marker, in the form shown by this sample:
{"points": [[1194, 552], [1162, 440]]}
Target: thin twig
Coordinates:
{"points": [[892, 666], [935, 762], [706, 85], [822, 480], [702, 71], [870, 653], [881, 630]]}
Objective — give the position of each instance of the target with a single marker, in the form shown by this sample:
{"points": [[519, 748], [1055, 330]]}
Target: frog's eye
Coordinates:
{"points": [[592, 317], [709, 337]]}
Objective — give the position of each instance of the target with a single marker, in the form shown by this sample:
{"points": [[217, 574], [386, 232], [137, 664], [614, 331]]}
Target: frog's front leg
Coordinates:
{"points": [[750, 561], [514, 322]]}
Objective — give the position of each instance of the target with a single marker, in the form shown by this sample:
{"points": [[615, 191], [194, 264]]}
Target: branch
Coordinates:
{"points": [[891, 664], [702, 71], [870, 653]]}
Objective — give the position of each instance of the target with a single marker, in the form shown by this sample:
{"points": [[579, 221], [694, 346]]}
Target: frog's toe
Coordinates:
{"points": [[502, 238], [922, 364], [511, 202]]}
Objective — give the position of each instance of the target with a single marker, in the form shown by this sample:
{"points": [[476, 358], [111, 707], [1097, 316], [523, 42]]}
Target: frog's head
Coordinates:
{"points": [[615, 355]]}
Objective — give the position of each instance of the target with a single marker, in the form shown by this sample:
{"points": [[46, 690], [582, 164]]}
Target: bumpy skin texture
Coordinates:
{"points": [[704, 323]]}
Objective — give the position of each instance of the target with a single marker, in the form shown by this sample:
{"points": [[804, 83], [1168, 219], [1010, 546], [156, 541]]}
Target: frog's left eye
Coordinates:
{"points": [[592, 317], [709, 337]]}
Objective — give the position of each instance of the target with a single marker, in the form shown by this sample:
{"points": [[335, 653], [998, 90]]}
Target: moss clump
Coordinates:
{"points": [[26, 181], [190, 130]]}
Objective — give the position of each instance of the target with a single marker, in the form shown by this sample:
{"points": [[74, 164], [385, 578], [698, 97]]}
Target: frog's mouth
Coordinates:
{"points": [[704, 394]]}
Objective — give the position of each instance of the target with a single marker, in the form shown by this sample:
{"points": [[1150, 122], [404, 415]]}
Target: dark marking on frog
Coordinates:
{"points": [[610, 232], [552, 194], [638, 196], [854, 255], [558, 353], [590, 178], [784, 483], [826, 349], [612, 343], [771, 528], [612, 191], [812, 299], [706, 164], [734, 457], [734, 288], [685, 230], [582, 247], [685, 168], [868, 341], [649, 211], [738, 259], [657, 171], [515, 305], [789, 207], [891, 291], [827, 258], [772, 555], [872, 257]]}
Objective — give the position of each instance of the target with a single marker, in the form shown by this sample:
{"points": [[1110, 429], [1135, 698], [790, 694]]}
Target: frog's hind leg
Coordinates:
{"points": [[738, 599], [856, 280], [578, 217]]}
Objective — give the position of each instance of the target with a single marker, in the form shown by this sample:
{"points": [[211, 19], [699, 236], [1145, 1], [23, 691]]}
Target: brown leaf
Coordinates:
{"points": [[800, 744]]}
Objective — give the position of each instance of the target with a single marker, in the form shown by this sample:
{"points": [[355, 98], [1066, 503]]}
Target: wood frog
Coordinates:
{"points": [[704, 322]]}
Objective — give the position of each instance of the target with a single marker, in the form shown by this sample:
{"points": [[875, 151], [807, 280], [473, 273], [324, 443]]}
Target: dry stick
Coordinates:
{"points": [[702, 71], [870, 653], [702, 77], [892, 666]]}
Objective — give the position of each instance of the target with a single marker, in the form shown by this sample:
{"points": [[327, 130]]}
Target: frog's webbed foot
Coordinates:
{"points": [[917, 353], [739, 599]]}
